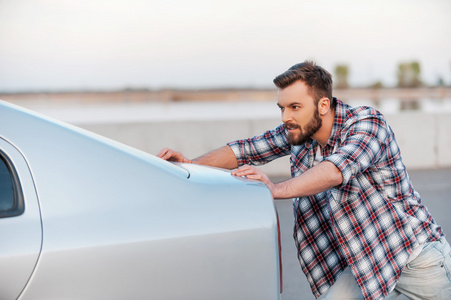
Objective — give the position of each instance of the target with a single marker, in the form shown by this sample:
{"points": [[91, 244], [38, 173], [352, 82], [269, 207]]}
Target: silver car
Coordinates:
{"points": [[84, 217]]}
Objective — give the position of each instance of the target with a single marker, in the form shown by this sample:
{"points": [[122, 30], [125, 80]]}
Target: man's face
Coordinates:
{"points": [[299, 113]]}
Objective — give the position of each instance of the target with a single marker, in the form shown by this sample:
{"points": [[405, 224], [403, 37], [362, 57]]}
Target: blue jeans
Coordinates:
{"points": [[426, 277]]}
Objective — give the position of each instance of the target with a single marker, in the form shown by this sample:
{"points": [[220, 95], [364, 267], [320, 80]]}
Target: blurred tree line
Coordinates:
{"points": [[408, 75]]}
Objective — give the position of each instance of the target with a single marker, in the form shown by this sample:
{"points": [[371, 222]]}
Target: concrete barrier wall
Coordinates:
{"points": [[424, 139]]}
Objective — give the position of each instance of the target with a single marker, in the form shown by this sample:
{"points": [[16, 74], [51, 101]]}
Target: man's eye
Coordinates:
{"points": [[295, 107]]}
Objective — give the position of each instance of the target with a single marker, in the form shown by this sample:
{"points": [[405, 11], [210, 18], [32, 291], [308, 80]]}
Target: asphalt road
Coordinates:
{"points": [[434, 187]]}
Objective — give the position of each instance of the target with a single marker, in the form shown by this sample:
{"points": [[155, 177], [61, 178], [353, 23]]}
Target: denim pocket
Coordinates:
{"points": [[446, 250], [429, 257], [428, 275]]}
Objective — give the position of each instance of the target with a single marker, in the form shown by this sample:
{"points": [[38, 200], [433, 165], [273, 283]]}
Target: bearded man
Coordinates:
{"points": [[361, 229]]}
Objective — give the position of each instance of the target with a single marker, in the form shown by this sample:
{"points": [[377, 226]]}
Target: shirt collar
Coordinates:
{"points": [[339, 119]]}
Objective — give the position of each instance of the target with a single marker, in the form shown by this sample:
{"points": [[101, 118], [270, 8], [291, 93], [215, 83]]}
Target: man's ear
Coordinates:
{"points": [[323, 105]]}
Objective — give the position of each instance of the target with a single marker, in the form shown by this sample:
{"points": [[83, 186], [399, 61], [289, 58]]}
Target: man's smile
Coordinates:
{"points": [[291, 127]]}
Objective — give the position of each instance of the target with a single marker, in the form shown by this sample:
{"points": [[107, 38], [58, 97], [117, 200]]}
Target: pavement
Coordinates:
{"points": [[434, 186]]}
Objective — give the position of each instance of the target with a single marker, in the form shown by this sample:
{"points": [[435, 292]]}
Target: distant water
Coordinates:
{"points": [[203, 110]]}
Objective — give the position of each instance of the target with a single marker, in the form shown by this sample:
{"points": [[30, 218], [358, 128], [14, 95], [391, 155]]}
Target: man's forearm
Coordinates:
{"points": [[315, 180], [222, 158]]}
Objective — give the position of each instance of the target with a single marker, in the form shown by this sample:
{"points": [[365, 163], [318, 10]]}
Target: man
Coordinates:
{"points": [[360, 229]]}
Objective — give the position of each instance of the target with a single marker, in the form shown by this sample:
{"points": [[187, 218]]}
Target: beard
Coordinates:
{"points": [[313, 125]]}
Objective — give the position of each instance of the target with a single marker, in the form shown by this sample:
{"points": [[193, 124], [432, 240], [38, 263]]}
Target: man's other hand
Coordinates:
{"points": [[171, 155]]}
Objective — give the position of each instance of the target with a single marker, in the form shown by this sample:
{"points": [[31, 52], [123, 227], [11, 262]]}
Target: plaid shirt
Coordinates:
{"points": [[371, 222]]}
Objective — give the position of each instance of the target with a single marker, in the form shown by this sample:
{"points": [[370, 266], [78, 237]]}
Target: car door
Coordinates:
{"points": [[20, 222]]}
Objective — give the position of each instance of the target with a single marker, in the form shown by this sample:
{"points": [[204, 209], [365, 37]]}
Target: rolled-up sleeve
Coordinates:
{"points": [[363, 145], [261, 149]]}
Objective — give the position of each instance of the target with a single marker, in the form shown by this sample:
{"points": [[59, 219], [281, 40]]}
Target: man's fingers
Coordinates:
{"points": [[171, 155], [239, 171], [168, 154], [251, 172], [163, 153], [248, 171], [254, 176]]}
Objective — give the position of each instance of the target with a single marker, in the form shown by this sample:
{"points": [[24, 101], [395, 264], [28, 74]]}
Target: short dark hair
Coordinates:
{"points": [[318, 80]]}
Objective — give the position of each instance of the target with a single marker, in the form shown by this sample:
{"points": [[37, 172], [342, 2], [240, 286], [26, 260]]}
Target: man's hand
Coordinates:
{"points": [[221, 158], [254, 173], [318, 179], [171, 155]]}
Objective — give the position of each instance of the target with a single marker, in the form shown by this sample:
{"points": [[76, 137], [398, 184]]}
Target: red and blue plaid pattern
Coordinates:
{"points": [[371, 222]]}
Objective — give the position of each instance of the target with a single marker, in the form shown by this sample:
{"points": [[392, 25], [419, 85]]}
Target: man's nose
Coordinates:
{"points": [[286, 116]]}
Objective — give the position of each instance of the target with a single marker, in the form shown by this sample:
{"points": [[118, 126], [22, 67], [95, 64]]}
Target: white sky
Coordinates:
{"points": [[103, 44]]}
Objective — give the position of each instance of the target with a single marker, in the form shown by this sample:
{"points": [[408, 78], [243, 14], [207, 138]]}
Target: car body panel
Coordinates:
{"points": [[119, 223]]}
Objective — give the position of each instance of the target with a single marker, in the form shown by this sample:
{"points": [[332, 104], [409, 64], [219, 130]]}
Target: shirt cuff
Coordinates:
{"points": [[238, 149], [347, 168]]}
